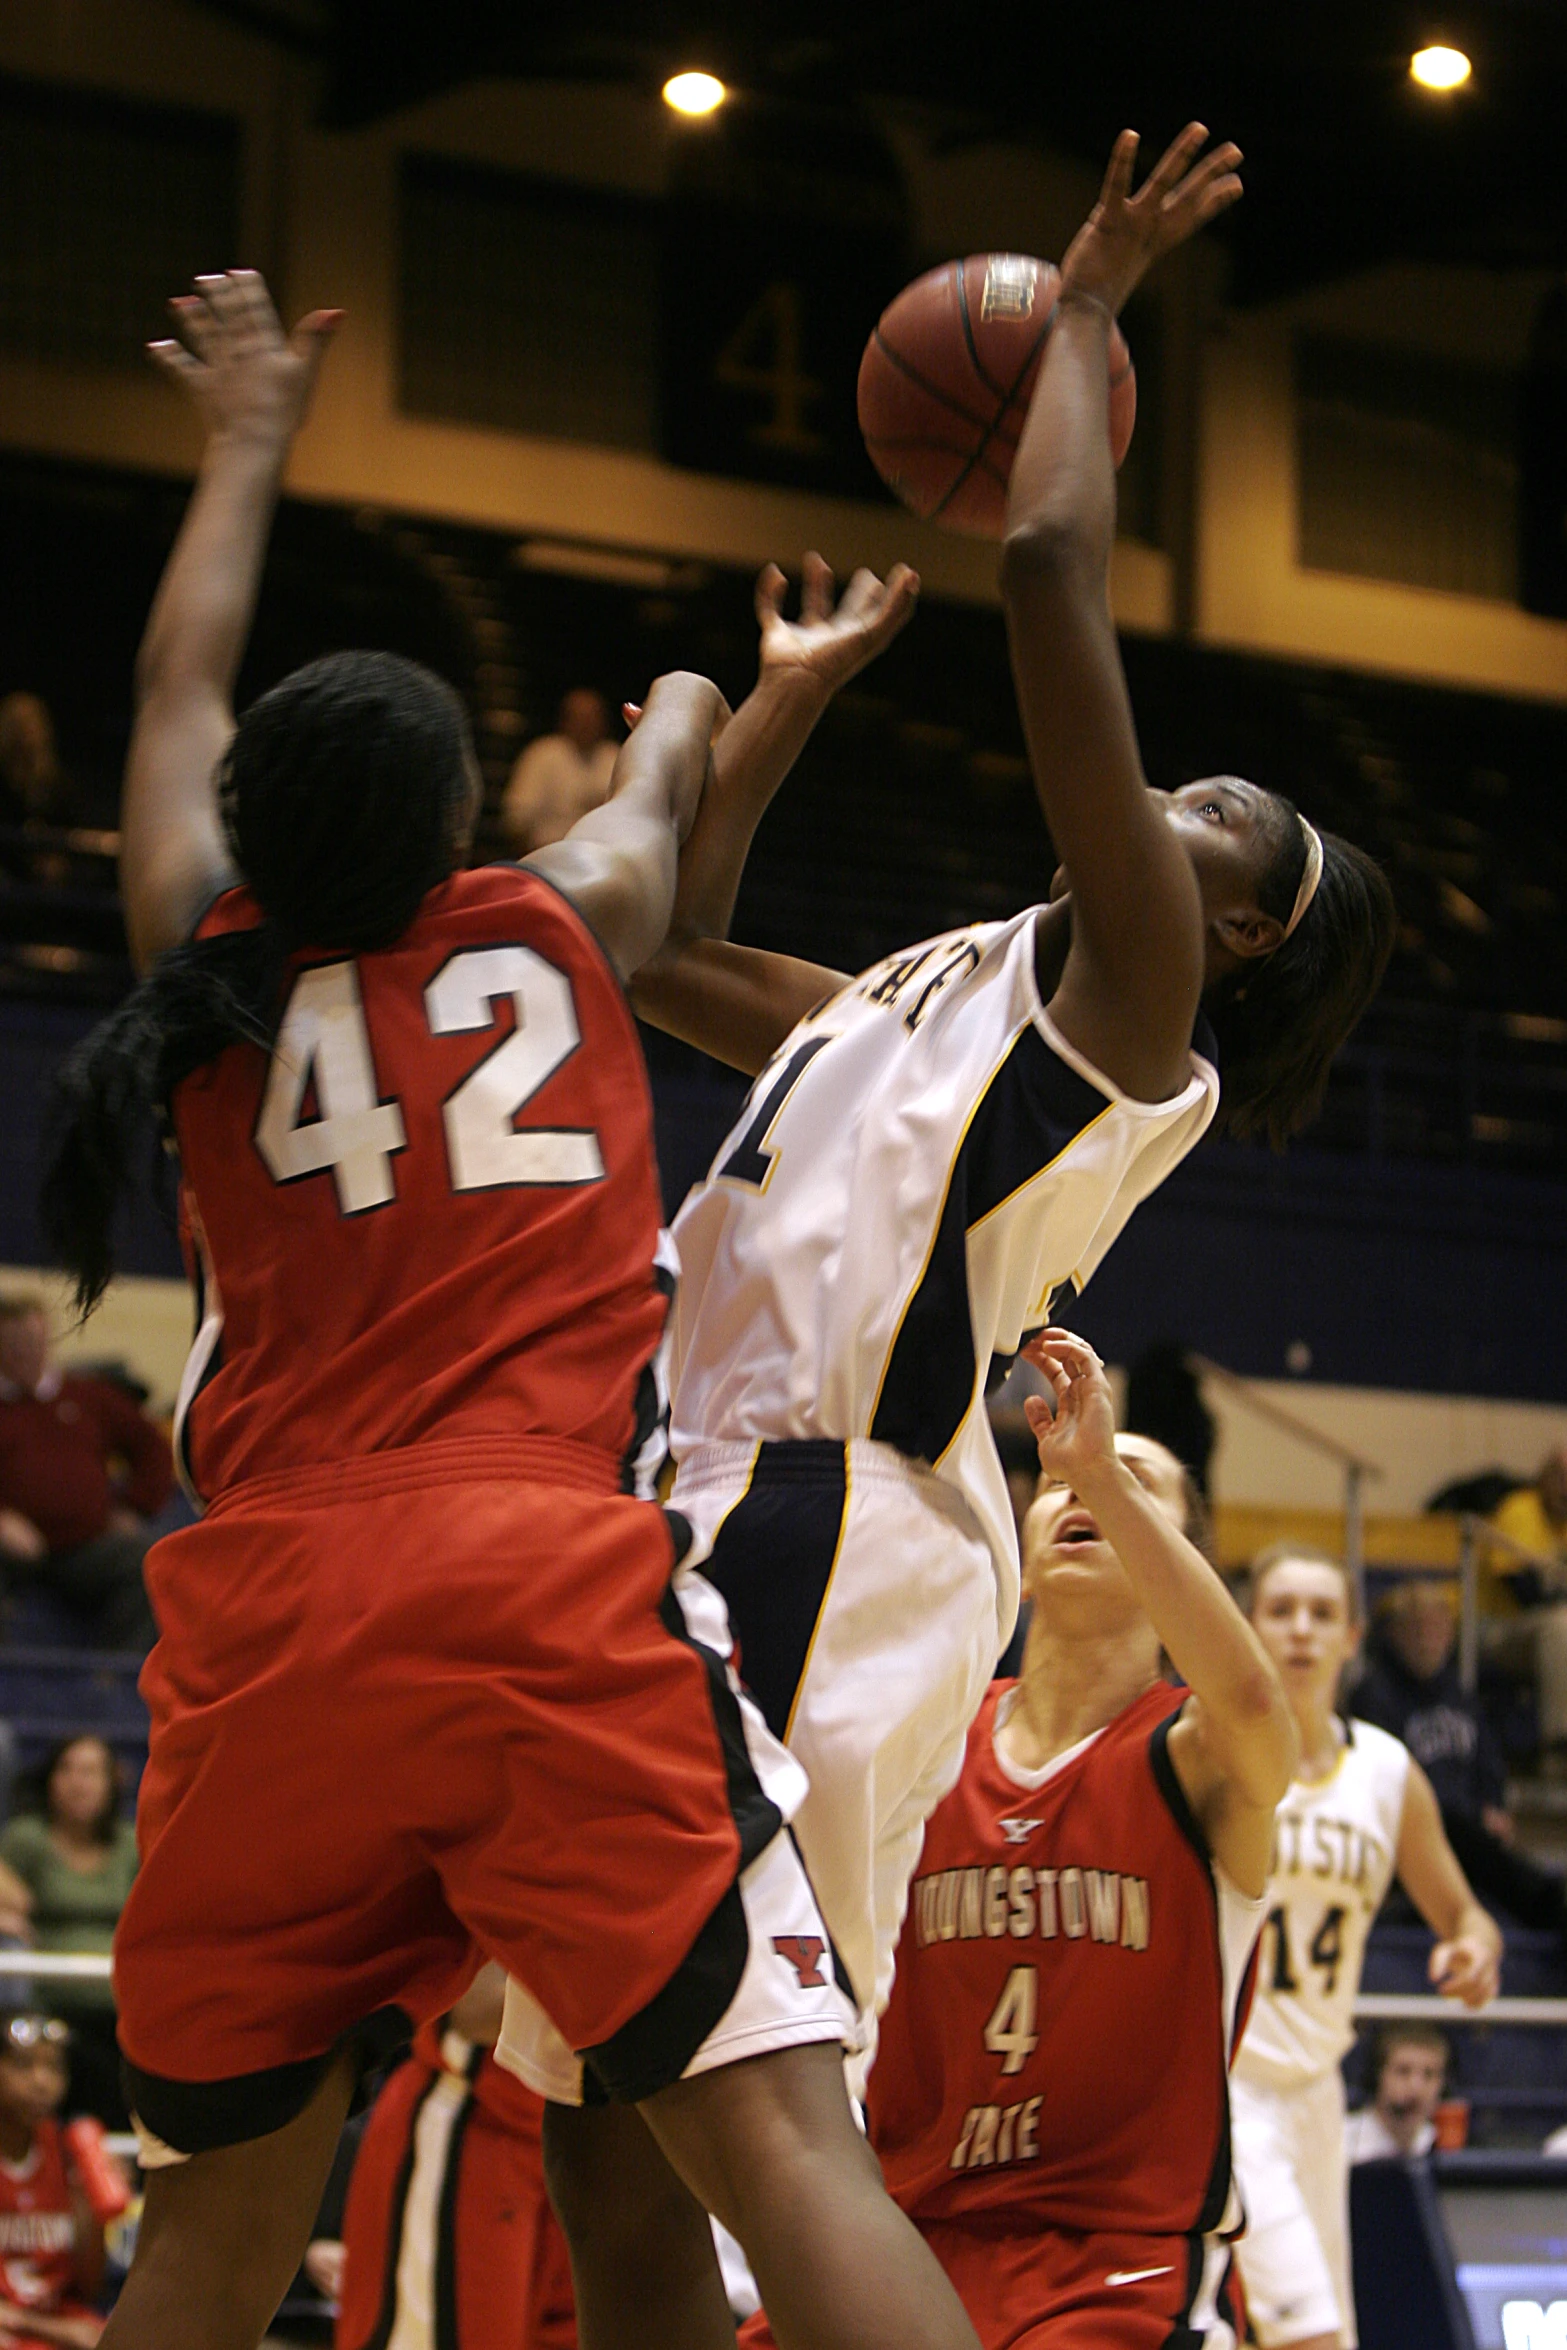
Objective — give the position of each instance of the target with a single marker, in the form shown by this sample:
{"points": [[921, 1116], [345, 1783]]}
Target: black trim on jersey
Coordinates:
{"points": [[755, 1814], [840, 1972], [647, 1411], [772, 1559], [195, 2117], [1167, 1780], [1183, 2335], [1033, 1109], [386, 2316], [654, 2047], [1216, 2194], [444, 2283]]}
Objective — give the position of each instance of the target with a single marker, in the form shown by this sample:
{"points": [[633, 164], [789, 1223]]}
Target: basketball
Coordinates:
{"points": [[945, 383]]}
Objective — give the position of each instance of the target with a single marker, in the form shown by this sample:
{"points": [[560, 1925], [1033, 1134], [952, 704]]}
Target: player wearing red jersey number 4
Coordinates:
{"points": [[425, 1677], [1049, 2097]]}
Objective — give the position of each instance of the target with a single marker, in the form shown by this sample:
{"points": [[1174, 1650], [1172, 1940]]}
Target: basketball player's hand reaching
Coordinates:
{"points": [[249, 380], [830, 642], [1078, 1436], [1125, 235]]}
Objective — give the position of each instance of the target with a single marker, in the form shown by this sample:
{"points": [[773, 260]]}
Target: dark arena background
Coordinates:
{"points": [[598, 365]]}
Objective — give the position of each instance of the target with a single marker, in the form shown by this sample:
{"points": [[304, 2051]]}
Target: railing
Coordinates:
{"points": [[1476, 1535], [1356, 1466]]}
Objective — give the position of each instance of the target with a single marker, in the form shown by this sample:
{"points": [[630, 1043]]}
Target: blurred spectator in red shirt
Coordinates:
{"points": [[81, 1469]]}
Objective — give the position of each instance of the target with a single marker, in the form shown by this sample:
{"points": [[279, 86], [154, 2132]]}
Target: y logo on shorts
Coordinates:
{"points": [[803, 1951]]}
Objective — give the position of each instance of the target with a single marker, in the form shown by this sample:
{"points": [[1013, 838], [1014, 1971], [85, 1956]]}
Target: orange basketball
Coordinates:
{"points": [[945, 383]]}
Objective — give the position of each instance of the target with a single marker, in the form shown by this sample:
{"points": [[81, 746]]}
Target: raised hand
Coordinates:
{"points": [[247, 378], [1078, 1437], [830, 643], [1125, 235]]}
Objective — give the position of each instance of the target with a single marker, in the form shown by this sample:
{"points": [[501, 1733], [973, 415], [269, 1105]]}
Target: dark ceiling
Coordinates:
{"points": [[1347, 163]]}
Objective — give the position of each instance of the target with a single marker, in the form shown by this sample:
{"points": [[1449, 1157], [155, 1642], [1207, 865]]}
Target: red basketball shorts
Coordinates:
{"points": [[448, 2232], [1045, 2288], [406, 1709]]}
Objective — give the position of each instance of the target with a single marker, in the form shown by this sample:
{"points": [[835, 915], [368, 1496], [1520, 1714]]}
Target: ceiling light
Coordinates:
{"points": [[694, 93], [1437, 68]]}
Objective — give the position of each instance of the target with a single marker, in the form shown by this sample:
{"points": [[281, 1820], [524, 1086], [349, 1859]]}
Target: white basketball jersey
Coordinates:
{"points": [[1334, 1845], [923, 1163]]}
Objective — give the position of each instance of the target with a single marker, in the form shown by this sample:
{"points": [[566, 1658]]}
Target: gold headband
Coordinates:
{"points": [[1308, 880]]}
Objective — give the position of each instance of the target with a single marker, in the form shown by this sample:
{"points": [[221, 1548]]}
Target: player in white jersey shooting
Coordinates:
{"points": [[1360, 1811], [930, 1153]]}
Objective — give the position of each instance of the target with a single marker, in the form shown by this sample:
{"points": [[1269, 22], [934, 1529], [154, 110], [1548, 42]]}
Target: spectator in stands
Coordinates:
{"points": [[1411, 1687], [1535, 1517], [77, 1858], [81, 1469], [33, 785], [35, 791], [51, 2245], [562, 775], [1409, 2071]]}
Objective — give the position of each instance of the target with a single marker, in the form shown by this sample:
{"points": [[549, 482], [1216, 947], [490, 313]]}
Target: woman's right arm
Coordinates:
{"points": [[734, 1002], [1134, 973]]}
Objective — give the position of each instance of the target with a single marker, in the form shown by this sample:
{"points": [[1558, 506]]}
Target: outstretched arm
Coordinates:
{"points": [[1134, 972], [732, 1001], [1234, 1746], [617, 864], [251, 385], [1466, 1963]]}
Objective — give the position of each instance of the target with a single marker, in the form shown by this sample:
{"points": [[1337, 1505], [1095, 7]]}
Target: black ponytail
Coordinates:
{"points": [[1280, 1020], [343, 794]]}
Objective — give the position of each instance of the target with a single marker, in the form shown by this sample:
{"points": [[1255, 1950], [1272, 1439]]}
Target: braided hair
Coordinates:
{"points": [[344, 796]]}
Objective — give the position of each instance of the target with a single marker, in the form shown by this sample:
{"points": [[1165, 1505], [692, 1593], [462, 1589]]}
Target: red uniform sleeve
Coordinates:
{"points": [[142, 1445]]}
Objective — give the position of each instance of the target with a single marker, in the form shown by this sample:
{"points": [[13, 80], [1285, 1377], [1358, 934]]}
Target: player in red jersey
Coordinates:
{"points": [[448, 2236], [51, 2246], [423, 1679], [1049, 2099]]}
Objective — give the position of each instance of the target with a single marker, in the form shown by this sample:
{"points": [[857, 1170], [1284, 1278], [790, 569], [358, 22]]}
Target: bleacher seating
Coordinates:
{"points": [[912, 809]]}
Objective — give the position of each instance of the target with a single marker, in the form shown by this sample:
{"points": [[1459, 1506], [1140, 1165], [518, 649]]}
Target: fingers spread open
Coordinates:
{"points": [[243, 312], [1174, 161], [195, 322], [312, 335], [1118, 174], [175, 361], [771, 588], [815, 588]]}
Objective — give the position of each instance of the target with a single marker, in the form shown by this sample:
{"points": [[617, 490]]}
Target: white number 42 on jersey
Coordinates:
{"points": [[323, 1041]]}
